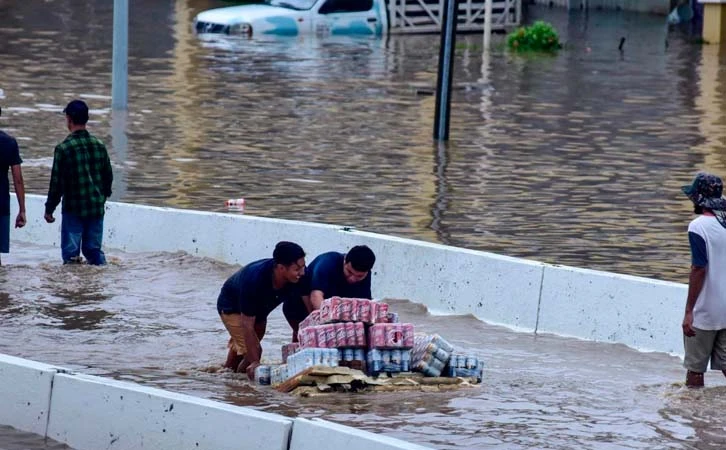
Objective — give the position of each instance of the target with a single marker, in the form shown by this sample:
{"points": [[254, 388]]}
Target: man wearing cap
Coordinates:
{"points": [[82, 178], [704, 321], [10, 161], [331, 274]]}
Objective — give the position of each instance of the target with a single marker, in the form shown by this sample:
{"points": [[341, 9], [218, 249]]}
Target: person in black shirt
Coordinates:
{"points": [[250, 295], [10, 161], [331, 274]]}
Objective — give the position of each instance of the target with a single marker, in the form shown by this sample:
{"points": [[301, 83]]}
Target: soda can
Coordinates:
{"points": [[471, 362], [359, 354], [405, 360], [235, 203], [350, 337], [348, 354], [364, 310], [263, 374], [354, 310], [360, 335], [381, 312], [341, 336], [333, 357], [392, 317], [345, 309], [480, 371], [441, 355], [321, 335], [331, 340]]}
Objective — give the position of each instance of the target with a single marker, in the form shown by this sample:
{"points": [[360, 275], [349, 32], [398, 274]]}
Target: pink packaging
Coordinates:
{"points": [[364, 310], [331, 340], [360, 334], [289, 349], [344, 309], [350, 335], [354, 313], [341, 338], [381, 313], [394, 335], [308, 337], [321, 335], [408, 331], [377, 336]]}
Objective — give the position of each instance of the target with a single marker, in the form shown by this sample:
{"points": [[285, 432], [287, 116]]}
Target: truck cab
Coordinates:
{"points": [[295, 17]]}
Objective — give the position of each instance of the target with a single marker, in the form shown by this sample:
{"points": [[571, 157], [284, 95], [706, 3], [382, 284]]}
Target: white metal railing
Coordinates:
{"points": [[424, 16]]}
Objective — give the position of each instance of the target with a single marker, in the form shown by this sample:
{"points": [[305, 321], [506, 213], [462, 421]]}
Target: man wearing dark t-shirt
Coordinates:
{"points": [[10, 161], [331, 274], [250, 295]]}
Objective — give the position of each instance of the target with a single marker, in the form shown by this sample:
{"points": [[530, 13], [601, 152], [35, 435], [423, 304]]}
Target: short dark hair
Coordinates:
{"points": [[77, 110], [287, 253], [361, 258]]}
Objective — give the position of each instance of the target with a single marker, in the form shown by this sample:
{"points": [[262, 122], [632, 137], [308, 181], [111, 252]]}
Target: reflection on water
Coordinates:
{"points": [[575, 159], [160, 328]]}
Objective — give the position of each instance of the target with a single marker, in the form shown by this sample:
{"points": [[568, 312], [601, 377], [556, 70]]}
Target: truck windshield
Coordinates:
{"points": [[292, 4]]}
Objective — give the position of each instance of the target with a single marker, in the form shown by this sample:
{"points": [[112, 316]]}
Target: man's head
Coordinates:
{"points": [[358, 262], [705, 192], [76, 114], [289, 261]]}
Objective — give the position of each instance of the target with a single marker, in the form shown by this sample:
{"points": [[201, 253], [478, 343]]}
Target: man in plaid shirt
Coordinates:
{"points": [[82, 177]]}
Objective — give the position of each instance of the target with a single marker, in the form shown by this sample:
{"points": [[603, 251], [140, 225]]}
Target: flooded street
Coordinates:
{"points": [[151, 319], [574, 159]]}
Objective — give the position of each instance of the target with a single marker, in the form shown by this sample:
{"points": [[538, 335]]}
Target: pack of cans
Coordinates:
{"points": [[391, 335], [430, 354], [332, 335], [289, 349], [311, 357], [278, 374], [388, 360], [263, 374], [311, 320], [342, 309], [461, 365]]}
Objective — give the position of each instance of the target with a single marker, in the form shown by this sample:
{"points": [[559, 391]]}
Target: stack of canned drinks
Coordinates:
{"points": [[465, 366], [333, 335], [388, 361], [430, 354]]}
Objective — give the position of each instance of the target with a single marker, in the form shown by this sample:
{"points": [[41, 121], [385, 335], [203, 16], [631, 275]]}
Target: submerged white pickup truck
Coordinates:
{"points": [[293, 17]]}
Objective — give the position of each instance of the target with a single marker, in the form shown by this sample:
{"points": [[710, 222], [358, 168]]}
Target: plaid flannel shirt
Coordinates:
{"points": [[81, 176]]}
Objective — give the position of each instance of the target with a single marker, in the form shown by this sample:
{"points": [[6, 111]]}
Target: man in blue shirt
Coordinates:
{"points": [[331, 274], [250, 295], [10, 161]]}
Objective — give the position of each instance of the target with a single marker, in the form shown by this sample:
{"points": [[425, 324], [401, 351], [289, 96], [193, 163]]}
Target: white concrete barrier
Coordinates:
{"points": [[91, 413], [508, 291], [25, 390], [638, 312], [319, 434]]}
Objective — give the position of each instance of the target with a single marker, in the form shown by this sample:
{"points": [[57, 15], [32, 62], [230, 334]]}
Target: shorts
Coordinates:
{"points": [[295, 310], [232, 322], [5, 234], [704, 346]]}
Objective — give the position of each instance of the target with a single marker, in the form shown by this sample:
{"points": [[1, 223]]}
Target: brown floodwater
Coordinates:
{"points": [[573, 159], [150, 318]]}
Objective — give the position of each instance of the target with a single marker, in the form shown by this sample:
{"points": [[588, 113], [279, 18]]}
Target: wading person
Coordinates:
{"points": [[250, 295], [10, 161], [704, 321], [331, 274], [82, 178]]}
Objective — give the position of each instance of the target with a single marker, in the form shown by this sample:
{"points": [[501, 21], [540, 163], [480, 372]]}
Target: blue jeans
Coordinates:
{"points": [[82, 233]]}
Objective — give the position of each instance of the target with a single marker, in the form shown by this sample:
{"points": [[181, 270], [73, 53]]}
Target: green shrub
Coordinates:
{"points": [[539, 37]]}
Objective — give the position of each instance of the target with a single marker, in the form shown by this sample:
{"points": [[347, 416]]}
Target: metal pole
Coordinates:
{"points": [[487, 24], [446, 70], [120, 64]]}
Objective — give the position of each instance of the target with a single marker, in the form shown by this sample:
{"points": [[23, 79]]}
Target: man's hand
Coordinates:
{"points": [[251, 370], [49, 218], [20, 220], [688, 325]]}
